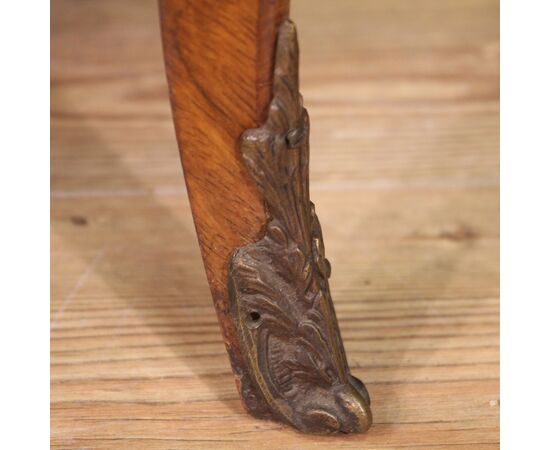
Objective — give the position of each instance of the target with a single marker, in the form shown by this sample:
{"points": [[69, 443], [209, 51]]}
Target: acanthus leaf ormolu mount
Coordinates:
{"points": [[295, 368]]}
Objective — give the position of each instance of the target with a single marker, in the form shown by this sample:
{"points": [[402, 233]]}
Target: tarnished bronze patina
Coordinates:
{"points": [[295, 365]]}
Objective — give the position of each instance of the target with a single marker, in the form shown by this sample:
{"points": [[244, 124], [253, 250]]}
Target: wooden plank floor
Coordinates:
{"points": [[404, 105]]}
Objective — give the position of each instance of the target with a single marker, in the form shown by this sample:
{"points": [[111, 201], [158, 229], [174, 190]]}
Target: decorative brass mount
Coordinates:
{"points": [[295, 365]]}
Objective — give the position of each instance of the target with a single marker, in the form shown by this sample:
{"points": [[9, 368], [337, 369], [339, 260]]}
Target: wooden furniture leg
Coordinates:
{"points": [[243, 134]]}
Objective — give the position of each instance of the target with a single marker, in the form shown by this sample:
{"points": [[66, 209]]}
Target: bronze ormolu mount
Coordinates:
{"points": [[295, 368]]}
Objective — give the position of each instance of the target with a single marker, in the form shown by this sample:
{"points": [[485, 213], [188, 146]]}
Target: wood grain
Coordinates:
{"points": [[219, 59], [404, 102]]}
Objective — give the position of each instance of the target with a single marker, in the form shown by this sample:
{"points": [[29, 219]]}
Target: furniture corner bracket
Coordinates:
{"points": [[294, 367]]}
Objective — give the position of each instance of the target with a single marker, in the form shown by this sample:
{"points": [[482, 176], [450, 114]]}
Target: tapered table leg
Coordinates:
{"points": [[243, 134]]}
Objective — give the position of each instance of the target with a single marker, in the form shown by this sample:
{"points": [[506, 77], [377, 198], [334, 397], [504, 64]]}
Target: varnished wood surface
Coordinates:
{"points": [[403, 99], [219, 64]]}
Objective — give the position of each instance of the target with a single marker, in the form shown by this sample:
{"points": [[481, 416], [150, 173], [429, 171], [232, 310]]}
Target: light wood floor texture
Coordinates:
{"points": [[404, 105]]}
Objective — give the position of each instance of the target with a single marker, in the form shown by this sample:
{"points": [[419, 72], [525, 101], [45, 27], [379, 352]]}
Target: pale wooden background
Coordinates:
{"points": [[404, 103]]}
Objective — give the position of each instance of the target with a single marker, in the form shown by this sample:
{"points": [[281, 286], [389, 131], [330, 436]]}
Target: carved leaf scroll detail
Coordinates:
{"points": [[296, 369]]}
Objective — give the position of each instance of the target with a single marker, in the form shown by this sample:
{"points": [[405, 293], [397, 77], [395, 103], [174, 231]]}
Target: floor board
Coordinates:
{"points": [[404, 105]]}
